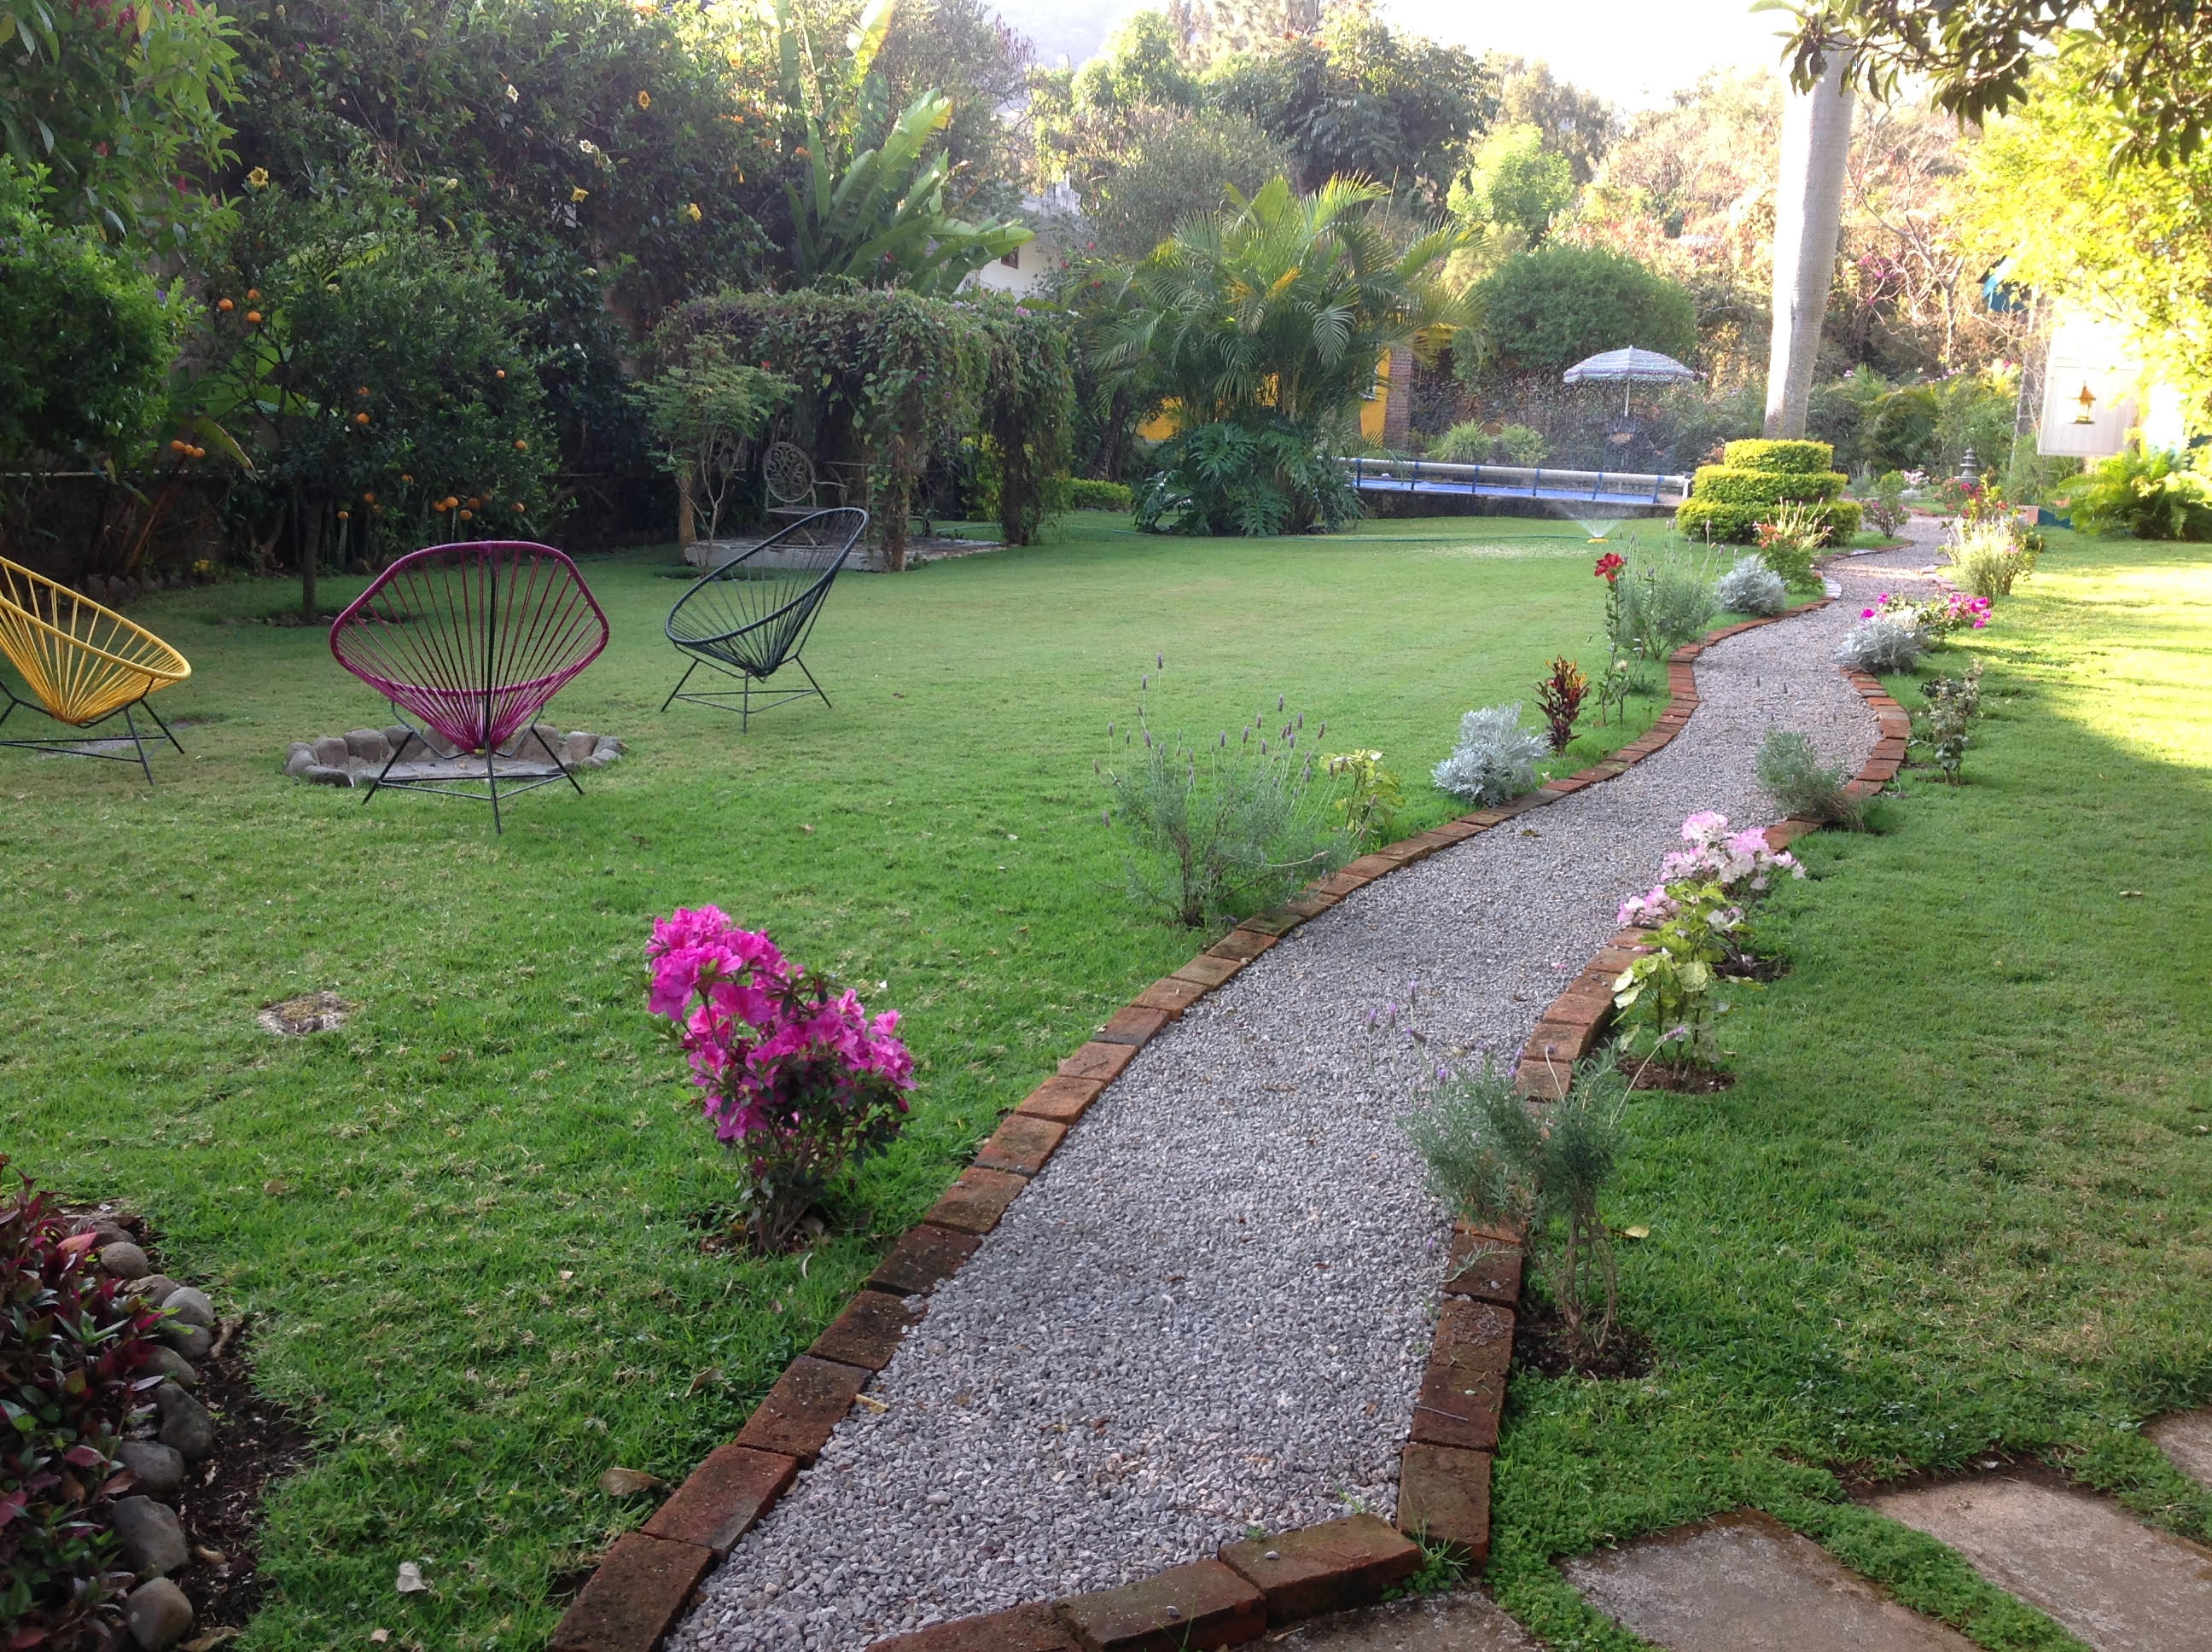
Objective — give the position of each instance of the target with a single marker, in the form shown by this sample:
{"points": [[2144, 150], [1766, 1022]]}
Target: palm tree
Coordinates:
{"points": [[1281, 306]]}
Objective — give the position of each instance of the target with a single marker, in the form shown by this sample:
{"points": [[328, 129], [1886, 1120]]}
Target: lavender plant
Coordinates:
{"points": [[1793, 774], [1213, 825]]}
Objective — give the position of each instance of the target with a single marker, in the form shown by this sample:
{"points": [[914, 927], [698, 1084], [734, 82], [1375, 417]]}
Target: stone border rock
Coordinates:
{"points": [[358, 756], [645, 1581]]}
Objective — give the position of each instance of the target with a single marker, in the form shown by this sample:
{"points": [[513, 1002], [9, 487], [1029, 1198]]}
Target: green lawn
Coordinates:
{"points": [[1960, 1201], [463, 1225]]}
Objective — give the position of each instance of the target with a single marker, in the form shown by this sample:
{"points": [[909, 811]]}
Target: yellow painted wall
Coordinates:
{"points": [[1372, 413]]}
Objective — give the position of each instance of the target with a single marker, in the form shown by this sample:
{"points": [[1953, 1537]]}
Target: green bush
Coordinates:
{"points": [[1738, 524], [1086, 494], [1256, 479], [1795, 458], [1551, 307], [1470, 443], [1727, 484], [85, 341], [1901, 435], [2149, 495]]}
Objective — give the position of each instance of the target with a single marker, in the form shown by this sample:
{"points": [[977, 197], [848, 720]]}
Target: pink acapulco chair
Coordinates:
{"points": [[473, 640]]}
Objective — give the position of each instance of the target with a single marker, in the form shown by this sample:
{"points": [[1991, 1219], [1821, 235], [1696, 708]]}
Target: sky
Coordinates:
{"points": [[1634, 51]]}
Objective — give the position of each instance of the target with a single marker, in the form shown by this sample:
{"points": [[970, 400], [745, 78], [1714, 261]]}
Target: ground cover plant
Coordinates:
{"points": [[467, 1225], [1954, 1205]]}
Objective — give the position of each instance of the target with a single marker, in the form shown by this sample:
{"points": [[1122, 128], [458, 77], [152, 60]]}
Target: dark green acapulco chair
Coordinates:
{"points": [[749, 618]]}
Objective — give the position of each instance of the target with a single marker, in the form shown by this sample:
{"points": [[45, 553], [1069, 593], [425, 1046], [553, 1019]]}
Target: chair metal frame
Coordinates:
{"points": [[480, 713], [784, 628], [85, 666]]}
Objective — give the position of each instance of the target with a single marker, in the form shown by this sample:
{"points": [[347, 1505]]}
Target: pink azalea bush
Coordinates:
{"points": [[1739, 862], [1935, 620], [797, 1080]]}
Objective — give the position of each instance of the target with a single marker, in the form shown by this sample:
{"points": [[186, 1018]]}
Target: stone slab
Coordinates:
{"points": [[1468, 1622], [721, 1499], [1023, 1629], [868, 1332], [1746, 1583], [803, 1408], [1331, 1567], [1204, 1604], [2186, 1439], [924, 1258], [633, 1597], [2120, 1585]]}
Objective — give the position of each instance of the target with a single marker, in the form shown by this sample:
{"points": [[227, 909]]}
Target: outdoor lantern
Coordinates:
{"points": [[2088, 400]]}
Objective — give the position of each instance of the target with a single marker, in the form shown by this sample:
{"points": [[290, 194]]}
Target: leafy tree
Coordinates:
{"points": [[1577, 125], [1358, 100], [1176, 165], [1980, 56], [85, 339], [706, 411], [1141, 67], [964, 52], [1282, 305], [118, 106], [1549, 308], [1514, 183]]}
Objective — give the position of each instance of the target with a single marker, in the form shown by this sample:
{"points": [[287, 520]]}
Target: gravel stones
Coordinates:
{"points": [[1213, 1309], [158, 1615], [185, 1424], [153, 1542], [160, 1468]]}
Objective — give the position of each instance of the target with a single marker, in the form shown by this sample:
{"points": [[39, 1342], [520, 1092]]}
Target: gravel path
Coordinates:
{"points": [[1212, 1310]]}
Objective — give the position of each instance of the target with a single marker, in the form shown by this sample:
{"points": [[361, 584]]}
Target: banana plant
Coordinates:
{"points": [[873, 212]]}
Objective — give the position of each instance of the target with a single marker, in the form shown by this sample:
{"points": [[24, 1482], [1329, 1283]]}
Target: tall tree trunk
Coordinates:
{"points": [[686, 522], [311, 553], [1816, 140]]}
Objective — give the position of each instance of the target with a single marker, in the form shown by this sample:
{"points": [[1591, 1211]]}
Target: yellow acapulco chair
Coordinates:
{"points": [[82, 663]]}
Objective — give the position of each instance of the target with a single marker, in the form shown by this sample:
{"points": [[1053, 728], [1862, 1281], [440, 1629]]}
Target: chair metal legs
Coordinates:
{"points": [[75, 745], [492, 791], [748, 688]]}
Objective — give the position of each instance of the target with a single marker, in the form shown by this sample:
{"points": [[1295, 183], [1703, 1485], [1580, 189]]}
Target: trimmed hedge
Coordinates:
{"points": [[1086, 494], [1759, 455], [1738, 524], [1727, 484]]}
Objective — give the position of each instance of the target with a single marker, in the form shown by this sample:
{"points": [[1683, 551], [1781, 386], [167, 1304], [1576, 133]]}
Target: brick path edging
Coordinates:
{"points": [[646, 1580]]}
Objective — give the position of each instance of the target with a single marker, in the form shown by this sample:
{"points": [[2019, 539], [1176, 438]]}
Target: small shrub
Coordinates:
{"points": [[1222, 823], [1495, 759], [1935, 620], [1659, 604], [799, 1081], [1372, 799], [1800, 785], [1789, 539], [1885, 510], [1257, 479], [1468, 443], [2152, 495], [1560, 697], [73, 1353], [1881, 645], [1495, 1161], [1752, 587], [1954, 703], [1668, 1001], [1086, 494], [1988, 558]]}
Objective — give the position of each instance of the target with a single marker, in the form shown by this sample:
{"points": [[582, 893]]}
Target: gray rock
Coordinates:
{"points": [[329, 774], [610, 748], [396, 736], [158, 1614], [367, 746], [167, 1362], [300, 759], [154, 1290], [191, 1306], [160, 1468], [192, 1341], [125, 1261], [185, 1424], [330, 751], [153, 1542], [578, 749]]}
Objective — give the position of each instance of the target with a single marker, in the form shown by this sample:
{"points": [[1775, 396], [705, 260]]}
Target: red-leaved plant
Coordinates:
{"points": [[799, 1083], [73, 1361], [1560, 696]]}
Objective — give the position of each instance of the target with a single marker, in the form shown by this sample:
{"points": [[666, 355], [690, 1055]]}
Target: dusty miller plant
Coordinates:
{"points": [[1495, 759], [1881, 645], [1499, 1161], [1238, 820], [1802, 784], [1752, 587]]}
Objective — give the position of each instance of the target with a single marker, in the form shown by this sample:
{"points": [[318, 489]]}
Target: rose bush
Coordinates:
{"points": [[799, 1081]]}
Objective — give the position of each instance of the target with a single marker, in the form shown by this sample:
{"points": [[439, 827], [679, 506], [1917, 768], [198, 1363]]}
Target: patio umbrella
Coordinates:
{"points": [[1630, 366]]}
